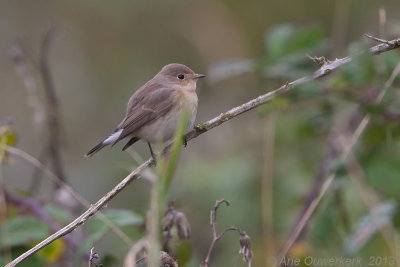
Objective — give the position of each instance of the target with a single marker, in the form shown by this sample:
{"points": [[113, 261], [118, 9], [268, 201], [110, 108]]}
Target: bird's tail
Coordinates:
{"points": [[95, 149], [113, 138]]}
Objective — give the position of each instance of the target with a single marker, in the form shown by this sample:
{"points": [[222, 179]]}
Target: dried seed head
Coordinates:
{"points": [[94, 258], [182, 224], [245, 247], [167, 221], [176, 218], [166, 260]]}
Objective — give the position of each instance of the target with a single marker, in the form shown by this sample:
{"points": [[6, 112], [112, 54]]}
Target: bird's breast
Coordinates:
{"points": [[164, 128]]}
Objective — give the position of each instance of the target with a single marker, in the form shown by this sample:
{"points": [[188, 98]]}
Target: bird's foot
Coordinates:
{"points": [[184, 141], [153, 156]]}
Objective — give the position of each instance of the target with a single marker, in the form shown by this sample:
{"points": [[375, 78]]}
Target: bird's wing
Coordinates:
{"points": [[145, 107]]}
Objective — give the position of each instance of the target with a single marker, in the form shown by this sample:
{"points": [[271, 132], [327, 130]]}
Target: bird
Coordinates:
{"points": [[154, 110]]}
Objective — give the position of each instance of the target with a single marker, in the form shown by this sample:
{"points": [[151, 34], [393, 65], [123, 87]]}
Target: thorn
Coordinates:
{"points": [[383, 41]]}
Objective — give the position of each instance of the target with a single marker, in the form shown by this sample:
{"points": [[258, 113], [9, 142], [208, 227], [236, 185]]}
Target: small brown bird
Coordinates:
{"points": [[153, 111]]}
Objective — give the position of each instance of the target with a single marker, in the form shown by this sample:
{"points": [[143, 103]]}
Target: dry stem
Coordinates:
{"points": [[216, 237]]}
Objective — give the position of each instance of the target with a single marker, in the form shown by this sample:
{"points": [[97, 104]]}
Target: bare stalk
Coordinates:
{"points": [[130, 258], [216, 237]]}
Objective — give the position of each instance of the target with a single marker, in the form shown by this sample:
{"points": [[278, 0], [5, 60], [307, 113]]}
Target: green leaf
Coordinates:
{"points": [[287, 48], [362, 69], [118, 216], [284, 40], [277, 40], [22, 230], [124, 217], [183, 252]]}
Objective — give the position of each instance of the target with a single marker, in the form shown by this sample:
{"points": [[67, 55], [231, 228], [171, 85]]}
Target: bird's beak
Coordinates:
{"points": [[198, 76]]}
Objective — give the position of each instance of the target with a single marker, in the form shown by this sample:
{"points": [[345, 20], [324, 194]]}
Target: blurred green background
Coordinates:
{"points": [[105, 50]]}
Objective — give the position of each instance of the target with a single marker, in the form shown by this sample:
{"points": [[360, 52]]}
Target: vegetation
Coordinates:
{"points": [[320, 159]]}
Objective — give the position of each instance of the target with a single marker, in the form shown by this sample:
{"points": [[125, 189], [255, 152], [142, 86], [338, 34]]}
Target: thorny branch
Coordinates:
{"points": [[198, 130]]}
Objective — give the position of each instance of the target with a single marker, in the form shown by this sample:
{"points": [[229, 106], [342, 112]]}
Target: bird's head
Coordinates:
{"points": [[179, 74]]}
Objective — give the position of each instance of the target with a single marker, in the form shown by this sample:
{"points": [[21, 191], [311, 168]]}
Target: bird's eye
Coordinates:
{"points": [[181, 76]]}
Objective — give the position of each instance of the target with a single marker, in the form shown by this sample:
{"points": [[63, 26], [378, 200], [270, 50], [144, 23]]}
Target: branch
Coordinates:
{"points": [[326, 69], [53, 116]]}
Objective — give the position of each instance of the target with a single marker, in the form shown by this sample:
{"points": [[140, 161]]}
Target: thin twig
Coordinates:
{"points": [[130, 258], [198, 130], [216, 237], [304, 220], [379, 40]]}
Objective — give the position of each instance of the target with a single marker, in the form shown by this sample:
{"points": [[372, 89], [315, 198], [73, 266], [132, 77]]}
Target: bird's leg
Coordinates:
{"points": [[151, 152], [184, 140]]}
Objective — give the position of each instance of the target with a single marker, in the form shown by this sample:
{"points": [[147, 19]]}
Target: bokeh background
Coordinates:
{"points": [[264, 162]]}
